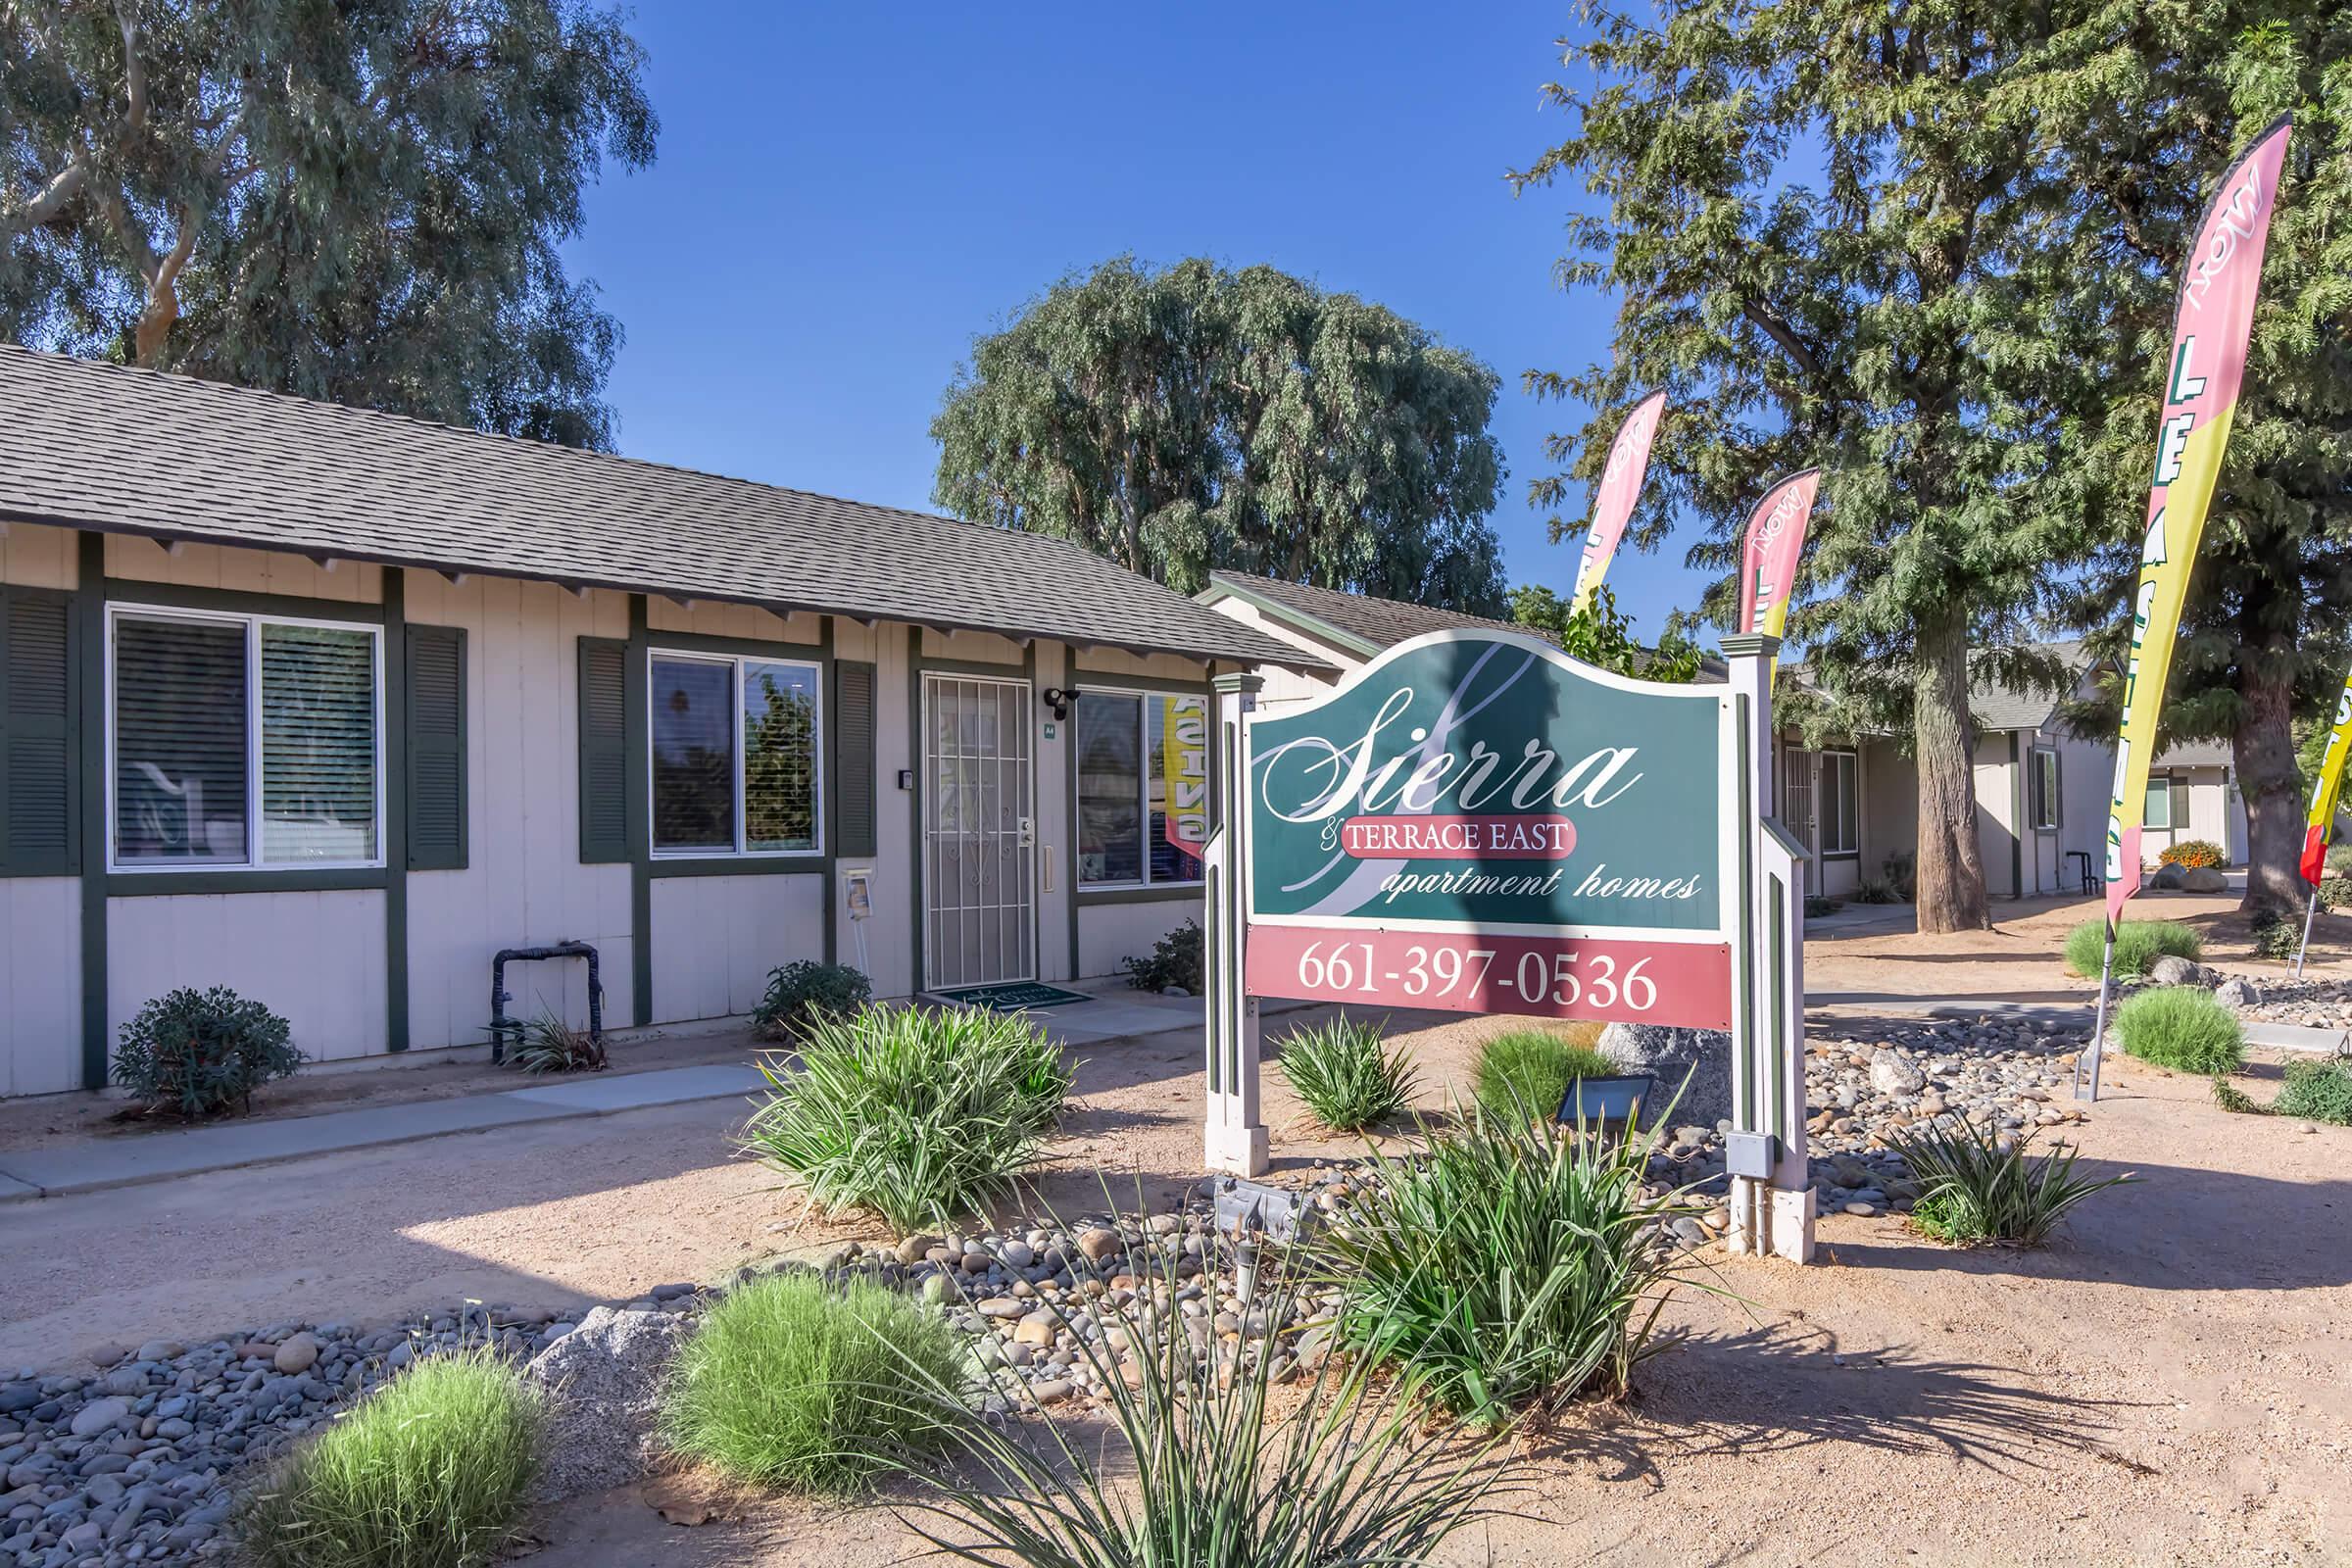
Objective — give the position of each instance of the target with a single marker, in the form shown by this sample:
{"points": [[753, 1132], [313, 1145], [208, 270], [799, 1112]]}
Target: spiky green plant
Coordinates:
{"points": [[1972, 1190], [2319, 1091], [1344, 1077], [1509, 1267], [919, 1114], [1206, 1473], [547, 1043], [430, 1471], [2183, 1028], [791, 1382]]}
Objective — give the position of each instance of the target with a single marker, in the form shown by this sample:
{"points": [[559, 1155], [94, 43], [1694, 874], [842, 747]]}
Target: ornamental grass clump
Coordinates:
{"points": [[1209, 1468], [430, 1471], [2138, 944], [2183, 1028], [1973, 1190], [1344, 1077], [1510, 1268], [920, 1115], [1533, 1067], [2318, 1091], [792, 1382]]}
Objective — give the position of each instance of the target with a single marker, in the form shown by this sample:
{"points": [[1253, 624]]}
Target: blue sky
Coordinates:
{"points": [[845, 194]]}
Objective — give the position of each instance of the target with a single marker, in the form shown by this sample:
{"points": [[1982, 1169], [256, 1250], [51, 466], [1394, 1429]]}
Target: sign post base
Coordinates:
{"points": [[1237, 1150], [1769, 1221]]}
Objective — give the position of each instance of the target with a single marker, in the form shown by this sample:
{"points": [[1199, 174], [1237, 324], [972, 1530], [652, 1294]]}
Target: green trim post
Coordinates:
{"points": [[830, 802], [395, 764], [638, 766], [89, 633], [918, 848]]}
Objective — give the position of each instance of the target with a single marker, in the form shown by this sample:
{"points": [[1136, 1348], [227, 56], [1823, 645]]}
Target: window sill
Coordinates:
{"points": [[1141, 893], [811, 862], [164, 882]]}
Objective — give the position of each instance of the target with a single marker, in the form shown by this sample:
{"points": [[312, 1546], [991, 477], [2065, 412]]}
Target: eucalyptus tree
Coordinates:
{"points": [[2167, 98], [1809, 218], [360, 202], [1197, 418]]}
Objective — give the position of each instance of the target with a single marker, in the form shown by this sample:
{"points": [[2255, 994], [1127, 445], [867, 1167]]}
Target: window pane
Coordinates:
{"points": [[1178, 742], [179, 742], [2159, 810], [1837, 836], [1110, 795], [318, 744], [693, 755], [779, 757]]}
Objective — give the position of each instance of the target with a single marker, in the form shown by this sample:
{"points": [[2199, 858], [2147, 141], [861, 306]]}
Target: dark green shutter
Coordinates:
{"points": [[437, 741], [604, 750], [40, 818], [855, 804]]}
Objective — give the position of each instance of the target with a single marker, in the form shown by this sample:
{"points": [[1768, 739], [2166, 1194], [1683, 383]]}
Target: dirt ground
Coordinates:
{"points": [[2171, 1382]]}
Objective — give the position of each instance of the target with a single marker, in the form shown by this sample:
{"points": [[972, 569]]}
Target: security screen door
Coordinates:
{"points": [[979, 861]]}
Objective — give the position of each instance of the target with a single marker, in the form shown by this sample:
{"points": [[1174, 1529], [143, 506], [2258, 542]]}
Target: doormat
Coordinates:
{"points": [[1010, 996]]}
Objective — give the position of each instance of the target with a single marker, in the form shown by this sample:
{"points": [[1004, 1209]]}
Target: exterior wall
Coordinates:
{"points": [[323, 955], [316, 958], [717, 936], [1288, 688], [523, 885], [40, 989], [1998, 812], [1889, 795]]}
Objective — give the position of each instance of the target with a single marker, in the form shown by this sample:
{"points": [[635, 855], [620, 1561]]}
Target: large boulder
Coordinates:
{"points": [[1893, 1073], [2203, 879], [2170, 970], [604, 1383], [2167, 878], [2237, 994], [1696, 1063]]}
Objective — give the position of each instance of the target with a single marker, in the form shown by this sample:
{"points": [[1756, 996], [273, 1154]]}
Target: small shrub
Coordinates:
{"points": [[2237, 1100], [1902, 872], [2278, 936], [1818, 905], [918, 1114], [429, 1471], [1226, 1472], [1529, 1070], [2336, 891], [1339, 1069], [547, 1043], [1175, 960], [1972, 1190], [199, 1051], [2318, 1091], [1878, 889], [2183, 1028], [793, 1383], [1506, 1269], [2138, 944], [2192, 853], [804, 988]]}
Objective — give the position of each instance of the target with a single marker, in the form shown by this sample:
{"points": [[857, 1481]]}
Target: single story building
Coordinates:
{"points": [[331, 706]]}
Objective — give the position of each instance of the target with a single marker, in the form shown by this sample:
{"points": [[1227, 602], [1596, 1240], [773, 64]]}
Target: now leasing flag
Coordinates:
{"points": [[1776, 537], [2321, 823], [2210, 328], [1614, 501]]}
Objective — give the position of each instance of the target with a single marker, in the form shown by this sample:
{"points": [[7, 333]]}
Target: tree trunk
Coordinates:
{"points": [[2264, 748], [1951, 865]]}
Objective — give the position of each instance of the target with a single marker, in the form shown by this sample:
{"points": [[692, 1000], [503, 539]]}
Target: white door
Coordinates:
{"points": [[979, 860]]}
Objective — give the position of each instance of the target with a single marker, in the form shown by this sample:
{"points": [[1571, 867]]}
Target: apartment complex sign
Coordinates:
{"points": [[1478, 823]]}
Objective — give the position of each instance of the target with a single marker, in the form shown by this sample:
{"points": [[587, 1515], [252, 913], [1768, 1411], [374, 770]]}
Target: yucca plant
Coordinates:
{"points": [[1972, 1190], [1344, 1077], [1210, 1475], [1511, 1267], [547, 1043], [920, 1115]]}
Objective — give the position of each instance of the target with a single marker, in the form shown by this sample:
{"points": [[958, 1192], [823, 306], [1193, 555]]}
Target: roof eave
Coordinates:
{"points": [[1222, 588]]}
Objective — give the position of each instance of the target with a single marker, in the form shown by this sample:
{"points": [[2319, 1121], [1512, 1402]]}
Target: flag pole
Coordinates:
{"points": [[2309, 910], [2098, 1028]]}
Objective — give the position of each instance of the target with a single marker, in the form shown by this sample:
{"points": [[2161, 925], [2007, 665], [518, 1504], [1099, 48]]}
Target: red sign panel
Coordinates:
{"points": [[1685, 984], [1438, 837]]}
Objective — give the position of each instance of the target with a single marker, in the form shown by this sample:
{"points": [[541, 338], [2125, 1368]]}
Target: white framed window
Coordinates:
{"points": [[1840, 775], [2159, 812], [1143, 788], [737, 753], [2046, 804], [242, 742]]}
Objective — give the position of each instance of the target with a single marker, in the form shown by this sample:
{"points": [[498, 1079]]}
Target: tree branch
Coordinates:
{"points": [[1780, 331]]}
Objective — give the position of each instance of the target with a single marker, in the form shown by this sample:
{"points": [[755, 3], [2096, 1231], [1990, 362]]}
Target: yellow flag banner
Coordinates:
{"points": [[2320, 826], [2210, 330]]}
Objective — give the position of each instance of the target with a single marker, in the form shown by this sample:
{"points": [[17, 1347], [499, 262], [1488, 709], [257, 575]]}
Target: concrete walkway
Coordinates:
{"points": [[128, 1161]]}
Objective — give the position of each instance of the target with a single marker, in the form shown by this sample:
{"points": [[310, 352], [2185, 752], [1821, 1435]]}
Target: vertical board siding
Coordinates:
{"points": [[316, 958], [717, 936], [37, 557], [524, 884], [40, 1000], [1111, 932], [239, 571]]}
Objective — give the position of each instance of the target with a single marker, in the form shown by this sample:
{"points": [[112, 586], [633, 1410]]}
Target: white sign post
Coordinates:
{"points": [[1236, 1126]]}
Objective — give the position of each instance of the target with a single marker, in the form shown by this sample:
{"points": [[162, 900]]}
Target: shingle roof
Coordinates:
{"points": [[2006, 707], [99, 446], [1370, 624]]}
